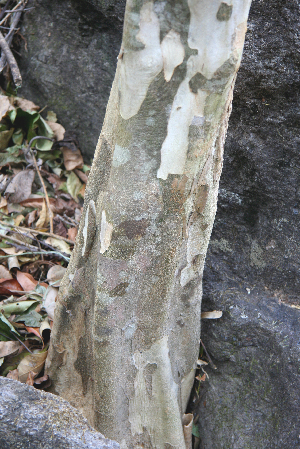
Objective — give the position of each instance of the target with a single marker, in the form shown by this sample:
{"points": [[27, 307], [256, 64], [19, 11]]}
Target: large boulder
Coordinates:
{"points": [[252, 267], [68, 61], [32, 418]]}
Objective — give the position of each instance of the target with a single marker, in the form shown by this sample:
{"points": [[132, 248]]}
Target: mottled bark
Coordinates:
{"points": [[127, 324]]}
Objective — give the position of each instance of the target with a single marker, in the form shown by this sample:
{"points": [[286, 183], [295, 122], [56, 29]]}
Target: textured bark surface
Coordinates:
{"points": [[127, 324], [32, 418]]}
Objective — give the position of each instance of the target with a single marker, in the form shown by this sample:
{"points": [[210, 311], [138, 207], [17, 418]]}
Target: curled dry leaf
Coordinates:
{"points": [[4, 273], [26, 280], [14, 374], [201, 362], [61, 245], [58, 130], [72, 158], [72, 233], [11, 285], [19, 189], [9, 347], [55, 275], [25, 105], [212, 315], [30, 378], [31, 362], [44, 218], [49, 301]]}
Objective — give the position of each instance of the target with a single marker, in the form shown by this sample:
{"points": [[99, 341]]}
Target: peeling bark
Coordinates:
{"points": [[127, 324]]}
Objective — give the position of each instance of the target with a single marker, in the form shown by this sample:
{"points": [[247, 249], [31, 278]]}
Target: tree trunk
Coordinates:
{"points": [[127, 324]]}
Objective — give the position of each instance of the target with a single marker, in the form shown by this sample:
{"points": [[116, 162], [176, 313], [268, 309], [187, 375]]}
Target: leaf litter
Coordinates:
{"points": [[41, 184]]}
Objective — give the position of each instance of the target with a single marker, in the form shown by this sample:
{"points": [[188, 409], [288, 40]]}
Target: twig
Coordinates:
{"points": [[12, 11], [30, 253], [207, 355], [17, 242], [36, 231], [11, 61], [17, 339], [28, 150]]}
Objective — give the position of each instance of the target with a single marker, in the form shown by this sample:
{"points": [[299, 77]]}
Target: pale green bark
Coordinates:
{"points": [[127, 325]]}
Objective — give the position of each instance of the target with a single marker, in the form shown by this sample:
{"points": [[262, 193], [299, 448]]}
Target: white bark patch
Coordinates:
{"points": [[105, 233], [213, 35], [121, 156], [186, 106], [172, 52], [89, 228], [157, 412], [139, 68], [216, 36]]}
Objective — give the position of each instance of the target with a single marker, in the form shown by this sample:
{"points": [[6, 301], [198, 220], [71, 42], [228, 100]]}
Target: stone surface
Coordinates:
{"points": [[252, 268], [72, 48], [33, 418]]}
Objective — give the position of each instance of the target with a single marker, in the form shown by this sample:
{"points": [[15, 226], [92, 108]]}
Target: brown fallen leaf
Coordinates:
{"points": [[59, 228], [31, 362], [5, 106], [14, 374], [31, 217], [55, 275], [72, 233], [10, 285], [61, 245], [81, 175], [58, 130], [72, 158], [212, 315], [25, 105], [42, 382], [27, 282], [49, 302], [44, 218], [19, 189], [9, 347], [4, 273], [30, 378], [34, 330]]}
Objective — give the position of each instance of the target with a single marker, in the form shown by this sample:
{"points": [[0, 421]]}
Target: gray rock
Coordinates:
{"points": [[252, 268], [32, 418], [70, 59]]}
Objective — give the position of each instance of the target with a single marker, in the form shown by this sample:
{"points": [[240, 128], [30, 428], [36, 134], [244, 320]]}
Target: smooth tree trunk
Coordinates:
{"points": [[127, 323]]}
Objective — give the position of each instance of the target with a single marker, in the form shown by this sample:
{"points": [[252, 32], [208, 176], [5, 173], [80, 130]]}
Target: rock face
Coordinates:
{"points": [[252, 269], [72, 48], [32, 418]]}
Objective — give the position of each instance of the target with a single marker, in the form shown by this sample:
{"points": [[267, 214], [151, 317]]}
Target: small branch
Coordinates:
{"points": [[207, 355], [28, 150], [11, 61], [36, 232], [12, 11], [30, 253]]}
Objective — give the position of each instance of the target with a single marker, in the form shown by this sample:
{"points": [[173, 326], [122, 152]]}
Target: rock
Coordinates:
{"points": [[33, 418], [252, 268], [69, 59]]}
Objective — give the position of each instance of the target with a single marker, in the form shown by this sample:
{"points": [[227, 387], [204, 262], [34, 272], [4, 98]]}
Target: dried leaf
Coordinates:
{"points": [[19, 219], [14, 375], [51, 117], [49, 301], [4, 273], [59, 228], [72, 233], [25, 105], [55, 275], [212, 315], [72, 158], [9, 347], [19, 188], [32, 362], [58, 130], [31, 217], [5, 106], [11, 285], [44, 219], [35, 331], [26, 280], [81, 175], [30, 378], [59, 244], [201, 362]]}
